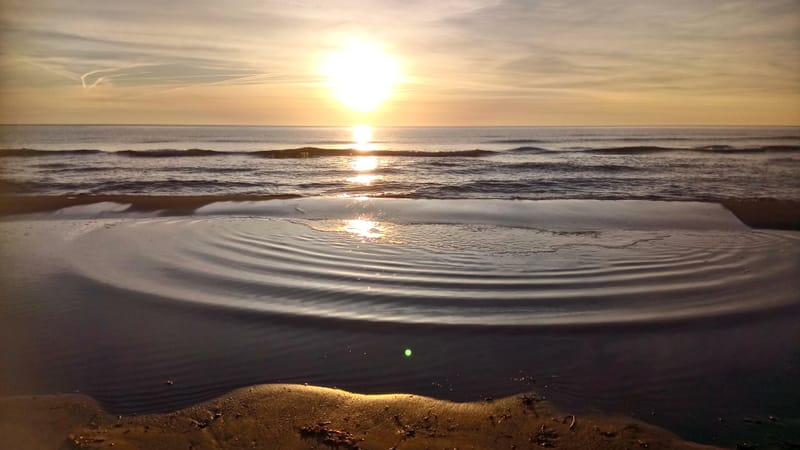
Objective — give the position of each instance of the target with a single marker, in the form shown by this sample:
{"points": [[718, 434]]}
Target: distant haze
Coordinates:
{"points": [[464, 62]]}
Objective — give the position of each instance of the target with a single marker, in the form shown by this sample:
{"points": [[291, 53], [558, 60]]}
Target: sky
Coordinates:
{"points": [[462, 62]]}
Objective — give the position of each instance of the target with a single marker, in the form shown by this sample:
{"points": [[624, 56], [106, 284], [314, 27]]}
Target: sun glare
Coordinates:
{"points": [[362, 134], [364, 228], [362, 137], [364, 179], [361, 76], [364, 163]]}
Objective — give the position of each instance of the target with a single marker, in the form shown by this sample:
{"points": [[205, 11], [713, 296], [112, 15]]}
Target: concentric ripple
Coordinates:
{"points": [[444, 274]]}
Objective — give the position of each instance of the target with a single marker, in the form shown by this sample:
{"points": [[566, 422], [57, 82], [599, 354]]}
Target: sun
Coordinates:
{"points": [[360, 75]]}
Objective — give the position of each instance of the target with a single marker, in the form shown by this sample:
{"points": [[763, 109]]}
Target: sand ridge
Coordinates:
{"points": [[307, 417]]}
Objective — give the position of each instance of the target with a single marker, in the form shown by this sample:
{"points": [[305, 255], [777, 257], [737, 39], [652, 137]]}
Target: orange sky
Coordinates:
{"points": [[464, 62]]}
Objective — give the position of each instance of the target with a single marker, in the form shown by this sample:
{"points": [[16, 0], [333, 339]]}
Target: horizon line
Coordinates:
{"points": [[676, 125]]}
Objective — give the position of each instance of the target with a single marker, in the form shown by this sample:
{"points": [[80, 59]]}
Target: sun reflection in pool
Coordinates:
{"points": [[364, 227]]}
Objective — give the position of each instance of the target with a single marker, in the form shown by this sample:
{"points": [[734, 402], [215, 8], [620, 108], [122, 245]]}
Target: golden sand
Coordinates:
{"points": [[305, 417]]}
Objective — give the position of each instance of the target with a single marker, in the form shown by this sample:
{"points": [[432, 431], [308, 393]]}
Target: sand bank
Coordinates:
{"points": [[303, 417]]}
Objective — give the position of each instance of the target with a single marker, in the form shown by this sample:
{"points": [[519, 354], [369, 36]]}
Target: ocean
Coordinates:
{"points": [[660, 163]]}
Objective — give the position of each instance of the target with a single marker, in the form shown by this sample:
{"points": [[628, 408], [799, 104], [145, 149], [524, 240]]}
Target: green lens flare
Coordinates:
{"points": [[407, 352]]}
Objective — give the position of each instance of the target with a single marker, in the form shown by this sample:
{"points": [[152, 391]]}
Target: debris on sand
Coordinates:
{"points": [[572, 421], [544, 437], [329, 436]]}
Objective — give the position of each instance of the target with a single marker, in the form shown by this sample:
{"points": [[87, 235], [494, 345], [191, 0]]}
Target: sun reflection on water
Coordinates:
{"points": [[364, 227], [362, 137], [364, 179], [364, 163]]}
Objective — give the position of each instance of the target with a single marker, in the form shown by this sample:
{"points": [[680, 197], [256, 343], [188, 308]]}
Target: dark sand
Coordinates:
{"points": [[304, 417], [757, 213], [772, 214]]}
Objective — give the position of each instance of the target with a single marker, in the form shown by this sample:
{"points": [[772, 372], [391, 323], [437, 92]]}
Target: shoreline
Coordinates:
{"points": [[756, 213], [297, 416]]}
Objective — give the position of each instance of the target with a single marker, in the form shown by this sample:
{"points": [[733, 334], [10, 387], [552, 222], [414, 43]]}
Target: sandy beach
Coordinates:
{"points": [[304, 417]]}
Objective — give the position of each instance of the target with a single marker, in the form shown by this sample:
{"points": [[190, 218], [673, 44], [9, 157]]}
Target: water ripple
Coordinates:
{"points": [[446, 275]]}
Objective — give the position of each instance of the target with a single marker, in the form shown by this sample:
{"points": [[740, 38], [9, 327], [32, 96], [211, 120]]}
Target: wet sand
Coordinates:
{"points": [[773, 214], [305, 417]]}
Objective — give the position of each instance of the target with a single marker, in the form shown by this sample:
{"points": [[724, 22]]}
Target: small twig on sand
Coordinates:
{"points": [[572, 422]]}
